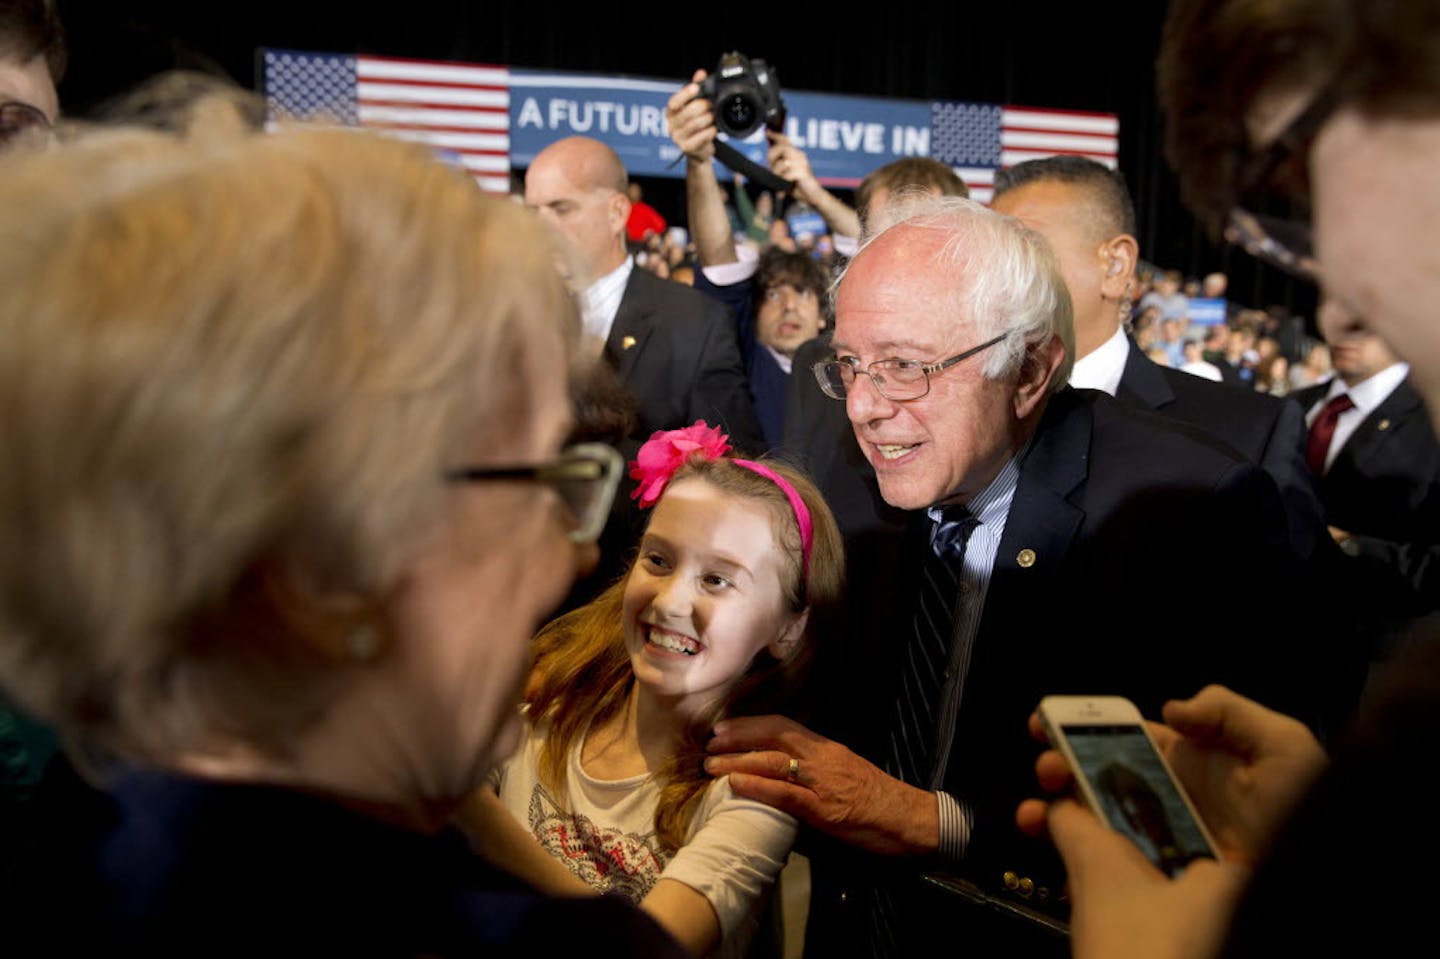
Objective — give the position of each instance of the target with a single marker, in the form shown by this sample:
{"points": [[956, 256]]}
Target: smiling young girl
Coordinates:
{"points": [[740, 563]]}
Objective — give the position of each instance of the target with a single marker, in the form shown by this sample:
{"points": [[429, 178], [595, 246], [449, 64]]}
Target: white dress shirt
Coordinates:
{"points": [[1102, 367], [747, 261], [1366, 395], [785, 363], [1206, 371], [602, 301]]}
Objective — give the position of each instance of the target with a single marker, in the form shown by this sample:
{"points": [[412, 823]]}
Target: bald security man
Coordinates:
{"points": [[674, 349]]}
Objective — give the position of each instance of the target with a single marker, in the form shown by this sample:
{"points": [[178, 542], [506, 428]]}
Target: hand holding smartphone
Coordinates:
{"points": [[1122, 777]]}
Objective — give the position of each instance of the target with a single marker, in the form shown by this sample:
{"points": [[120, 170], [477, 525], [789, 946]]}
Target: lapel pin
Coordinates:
{"points": [[1026, 558], [627, 342], [1383, 425]]}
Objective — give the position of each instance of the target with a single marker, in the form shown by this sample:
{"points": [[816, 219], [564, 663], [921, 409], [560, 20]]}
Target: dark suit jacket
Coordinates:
{"points": [[1263, 429], [1229, 373], [1384, 487], [1128, 518], [162, 865], [806, 406], [676, 350]]}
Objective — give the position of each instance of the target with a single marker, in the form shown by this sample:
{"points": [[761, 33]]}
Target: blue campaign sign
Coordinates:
{"points": [[628, 114], [1206, 311], [845, 137], [806, 222], [493, 118]]}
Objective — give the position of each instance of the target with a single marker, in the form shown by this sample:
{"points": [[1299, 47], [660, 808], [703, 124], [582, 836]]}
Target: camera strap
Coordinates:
{"points": [[740, 163]]}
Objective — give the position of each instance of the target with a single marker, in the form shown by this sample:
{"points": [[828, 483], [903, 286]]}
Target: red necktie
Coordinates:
{"points": [[1322, 431]]}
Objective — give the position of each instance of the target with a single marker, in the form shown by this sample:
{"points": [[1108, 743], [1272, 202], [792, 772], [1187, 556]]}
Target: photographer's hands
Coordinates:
{"points": [[790, 162], [692, 128], [691, 120]]}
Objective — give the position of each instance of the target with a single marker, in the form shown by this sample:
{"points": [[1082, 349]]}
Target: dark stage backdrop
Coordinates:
{"points": [[1075, 56]]}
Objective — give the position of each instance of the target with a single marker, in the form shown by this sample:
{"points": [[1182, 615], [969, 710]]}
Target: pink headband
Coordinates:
{"points": [[667, 450]]}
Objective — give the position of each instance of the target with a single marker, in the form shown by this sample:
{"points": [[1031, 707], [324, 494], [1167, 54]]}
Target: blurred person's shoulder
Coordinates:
{"points": [[1150, 443], [1351, 874]]}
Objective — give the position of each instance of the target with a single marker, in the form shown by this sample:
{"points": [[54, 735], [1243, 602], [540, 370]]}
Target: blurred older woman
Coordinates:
{"points": [[281, 505]]}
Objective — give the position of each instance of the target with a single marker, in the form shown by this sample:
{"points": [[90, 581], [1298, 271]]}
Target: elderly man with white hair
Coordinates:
{"points": [[1051, 534]]}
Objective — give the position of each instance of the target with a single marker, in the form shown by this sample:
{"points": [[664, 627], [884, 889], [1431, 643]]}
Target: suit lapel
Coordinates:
{"points": [[1142, 384], [1373, 435], [1044, 516], [634, 322], [1039, 533], [1044, 513], [1310, 395]]}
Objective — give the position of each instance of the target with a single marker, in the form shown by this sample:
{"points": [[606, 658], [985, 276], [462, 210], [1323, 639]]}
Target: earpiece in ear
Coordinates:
{"points": [[1115, 267]]}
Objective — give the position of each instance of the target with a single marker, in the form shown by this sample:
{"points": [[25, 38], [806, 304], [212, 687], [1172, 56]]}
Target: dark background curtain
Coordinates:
{"points": [[1076, 56]]}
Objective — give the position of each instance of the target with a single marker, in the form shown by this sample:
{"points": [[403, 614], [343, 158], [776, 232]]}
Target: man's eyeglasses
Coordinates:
{"points": [[17, 117], [896, 379], [1283, 167], [585, 475]]}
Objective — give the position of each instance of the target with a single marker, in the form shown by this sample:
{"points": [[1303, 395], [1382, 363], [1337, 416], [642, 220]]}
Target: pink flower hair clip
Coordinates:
{"points": [[666, 451]]}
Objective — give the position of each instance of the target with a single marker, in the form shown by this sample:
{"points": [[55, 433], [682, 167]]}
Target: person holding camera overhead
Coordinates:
{"points": [[777, 301]]}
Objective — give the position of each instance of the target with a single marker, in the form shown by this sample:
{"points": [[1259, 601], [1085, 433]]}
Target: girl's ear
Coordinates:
{"points": [[789, 641]]}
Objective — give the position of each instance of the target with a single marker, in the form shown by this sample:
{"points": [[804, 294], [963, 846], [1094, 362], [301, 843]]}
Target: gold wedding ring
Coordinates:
{"points": [[792, 772]]}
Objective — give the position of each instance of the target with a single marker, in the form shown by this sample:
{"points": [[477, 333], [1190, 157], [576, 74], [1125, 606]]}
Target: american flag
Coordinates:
{"points": [[461, 110], [976, 139]]}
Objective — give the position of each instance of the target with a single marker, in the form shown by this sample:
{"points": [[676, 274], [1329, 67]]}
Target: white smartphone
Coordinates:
{"points": [[1122, 777]]}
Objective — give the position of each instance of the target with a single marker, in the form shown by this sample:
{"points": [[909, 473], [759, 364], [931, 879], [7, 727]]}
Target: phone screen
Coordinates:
{"points": [[1136, 793]]}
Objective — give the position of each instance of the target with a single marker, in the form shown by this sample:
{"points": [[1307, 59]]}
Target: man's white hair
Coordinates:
{"points": [[1006, 277]]}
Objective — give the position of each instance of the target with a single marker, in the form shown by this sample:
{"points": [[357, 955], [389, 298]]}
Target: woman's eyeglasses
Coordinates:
{"points": [[585, 476], [1281, 168]]}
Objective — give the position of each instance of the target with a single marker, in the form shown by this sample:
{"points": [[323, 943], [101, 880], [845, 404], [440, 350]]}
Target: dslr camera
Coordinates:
{"points": [[745, 94]]}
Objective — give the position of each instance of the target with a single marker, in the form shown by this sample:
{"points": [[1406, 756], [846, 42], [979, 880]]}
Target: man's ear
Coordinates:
{"points": [[619, 212], [1120, 255], [788, 643], [1037, 370]]}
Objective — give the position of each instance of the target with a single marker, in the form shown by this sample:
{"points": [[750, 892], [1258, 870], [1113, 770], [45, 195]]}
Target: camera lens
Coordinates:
{"points": [[739, 115]]}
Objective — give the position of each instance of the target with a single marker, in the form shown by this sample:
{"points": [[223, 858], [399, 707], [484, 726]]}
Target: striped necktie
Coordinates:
{"points": [[925, 660], [927, 655]]}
